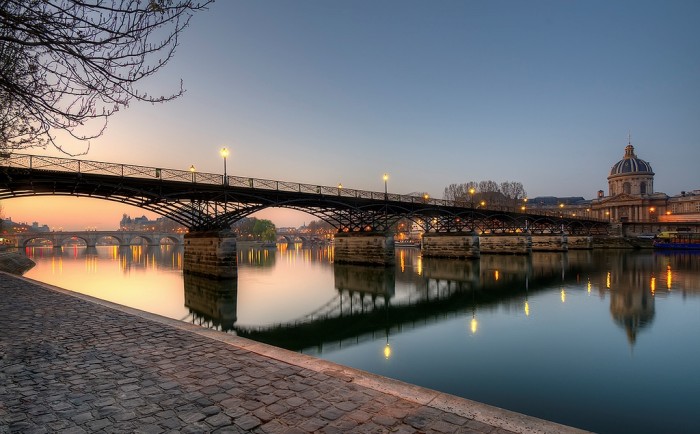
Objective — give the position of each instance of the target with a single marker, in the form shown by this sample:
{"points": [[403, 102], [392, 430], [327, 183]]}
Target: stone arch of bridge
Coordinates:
{"points": [[64, 239], [119, 239]]}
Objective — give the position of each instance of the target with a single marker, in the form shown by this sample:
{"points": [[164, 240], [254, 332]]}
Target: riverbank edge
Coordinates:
{"points": [[484, 413], [15, 263]]}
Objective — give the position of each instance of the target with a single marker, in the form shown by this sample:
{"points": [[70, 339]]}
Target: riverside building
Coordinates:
{"points": [[631, 198]]}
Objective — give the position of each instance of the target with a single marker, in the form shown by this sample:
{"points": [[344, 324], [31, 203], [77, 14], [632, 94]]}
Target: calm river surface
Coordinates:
{"points": [[601, 340]]}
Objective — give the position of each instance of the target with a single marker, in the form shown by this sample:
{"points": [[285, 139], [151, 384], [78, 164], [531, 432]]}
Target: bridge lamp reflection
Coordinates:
{"points": [[387, 349], [473, 324]]}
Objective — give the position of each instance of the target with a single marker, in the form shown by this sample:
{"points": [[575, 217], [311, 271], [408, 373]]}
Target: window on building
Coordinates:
{"points": [[643, 188], [627, 188], [697, 207]]}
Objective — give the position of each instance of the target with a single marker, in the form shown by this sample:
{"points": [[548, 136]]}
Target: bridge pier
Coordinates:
{"points": [[580, 242], [211, 254], [370, 248], [550, 243], [520, 244], [450, 245]]}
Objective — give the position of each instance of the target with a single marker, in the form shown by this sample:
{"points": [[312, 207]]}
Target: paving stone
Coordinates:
{"points": [[247, 422], [87, 368], [218, 420], [96, 425]]}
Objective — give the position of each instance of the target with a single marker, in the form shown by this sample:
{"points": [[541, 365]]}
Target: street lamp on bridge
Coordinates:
{"points": [[224, 153], [386, 191], [193, 170]]}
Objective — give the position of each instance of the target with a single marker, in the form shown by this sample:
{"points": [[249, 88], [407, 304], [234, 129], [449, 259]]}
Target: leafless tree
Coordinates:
{"points": [[507, 194], [67, 65]]}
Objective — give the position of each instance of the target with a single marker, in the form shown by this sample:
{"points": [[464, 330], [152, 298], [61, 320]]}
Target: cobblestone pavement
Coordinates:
{"points": [[72, 365]]}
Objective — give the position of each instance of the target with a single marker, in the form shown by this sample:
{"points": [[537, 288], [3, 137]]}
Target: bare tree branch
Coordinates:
{"points": [[67, 65]]}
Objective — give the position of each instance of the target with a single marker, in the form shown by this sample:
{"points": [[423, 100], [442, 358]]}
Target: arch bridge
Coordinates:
{"points": [[91, 238], [208, 203]]}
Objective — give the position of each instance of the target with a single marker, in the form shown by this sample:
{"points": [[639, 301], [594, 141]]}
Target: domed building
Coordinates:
{"points": [[631, 175], [631, 194], [631, 199]]}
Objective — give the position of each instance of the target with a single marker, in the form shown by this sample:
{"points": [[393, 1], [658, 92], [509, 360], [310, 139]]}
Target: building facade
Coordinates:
{"points": [[631, 198]]}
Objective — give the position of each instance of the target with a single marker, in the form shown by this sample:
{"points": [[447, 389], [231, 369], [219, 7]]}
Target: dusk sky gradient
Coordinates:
{"points": [[543, 92]]}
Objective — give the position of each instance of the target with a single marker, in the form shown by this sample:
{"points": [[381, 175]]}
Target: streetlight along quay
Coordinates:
{"points": [[224, 153]]}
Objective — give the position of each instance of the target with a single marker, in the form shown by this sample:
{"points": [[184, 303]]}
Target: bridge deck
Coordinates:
{"points": [[72, 363]]}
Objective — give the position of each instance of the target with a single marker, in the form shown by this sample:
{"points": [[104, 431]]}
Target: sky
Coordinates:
{"points": [[543, 92]]}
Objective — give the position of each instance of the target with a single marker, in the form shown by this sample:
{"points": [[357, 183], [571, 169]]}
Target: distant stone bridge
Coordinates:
{"points": [[91, 238]]}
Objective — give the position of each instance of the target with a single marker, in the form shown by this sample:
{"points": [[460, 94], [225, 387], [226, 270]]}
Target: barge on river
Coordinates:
{"points": [[677, 241]]}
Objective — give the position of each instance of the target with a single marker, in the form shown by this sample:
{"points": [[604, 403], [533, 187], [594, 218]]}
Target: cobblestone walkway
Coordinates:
{"points": [[72, 365]]}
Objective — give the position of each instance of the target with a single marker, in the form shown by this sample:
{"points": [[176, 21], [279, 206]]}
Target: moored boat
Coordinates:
{"points": [[677, 241]]}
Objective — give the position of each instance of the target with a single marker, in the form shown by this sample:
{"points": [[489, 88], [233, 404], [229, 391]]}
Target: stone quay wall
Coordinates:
{"points": [[371, 248], [211, 254], [549, 243], [506, 244], [451, 245], [578, 242]]}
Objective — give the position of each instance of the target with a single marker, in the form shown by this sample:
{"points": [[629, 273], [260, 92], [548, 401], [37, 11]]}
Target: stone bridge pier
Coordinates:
{"points": [[369, 248], [211, 254]]}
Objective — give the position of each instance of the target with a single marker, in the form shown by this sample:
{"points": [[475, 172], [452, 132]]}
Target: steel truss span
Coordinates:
{"points": [[207, 201]]}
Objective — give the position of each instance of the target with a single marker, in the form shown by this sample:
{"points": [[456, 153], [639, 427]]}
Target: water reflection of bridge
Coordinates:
{"points": [[366, 303]]}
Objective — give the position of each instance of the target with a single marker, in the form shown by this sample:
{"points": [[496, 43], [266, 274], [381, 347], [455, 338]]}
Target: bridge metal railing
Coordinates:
{"points": [[71, 165]]}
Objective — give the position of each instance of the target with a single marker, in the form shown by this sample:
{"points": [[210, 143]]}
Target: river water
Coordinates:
{"points": [[601, 340]]}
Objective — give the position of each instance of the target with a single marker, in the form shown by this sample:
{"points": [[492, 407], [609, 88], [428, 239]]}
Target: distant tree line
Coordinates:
{"points": [[319, 227], [252, 228], [507, 194]]}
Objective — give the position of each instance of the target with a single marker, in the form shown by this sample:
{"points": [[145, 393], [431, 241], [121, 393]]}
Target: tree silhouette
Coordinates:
{"points": [[67, 65]]}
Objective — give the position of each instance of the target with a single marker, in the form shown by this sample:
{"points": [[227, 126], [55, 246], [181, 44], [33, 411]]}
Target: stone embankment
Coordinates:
{"points": [[15, 263], [73, 364]]}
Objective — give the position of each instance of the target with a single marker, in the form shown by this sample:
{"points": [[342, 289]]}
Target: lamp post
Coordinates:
{"points": [[386, 191], [471, 196], [224, 153], [193, 170], [340, 187]]}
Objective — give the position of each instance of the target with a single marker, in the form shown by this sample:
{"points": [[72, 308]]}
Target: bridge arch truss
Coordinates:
{"points": [[205, 201]]}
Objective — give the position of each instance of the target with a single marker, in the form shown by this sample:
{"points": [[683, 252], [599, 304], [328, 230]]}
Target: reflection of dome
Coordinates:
{"points": [[633, 310], [630, 164]]}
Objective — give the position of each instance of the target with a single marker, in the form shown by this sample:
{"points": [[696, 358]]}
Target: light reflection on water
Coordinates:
{"points": [[605, 341]]}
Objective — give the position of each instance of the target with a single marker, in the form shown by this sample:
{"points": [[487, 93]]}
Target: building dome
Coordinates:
{"points": [[630, 164], [631, 176]]}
